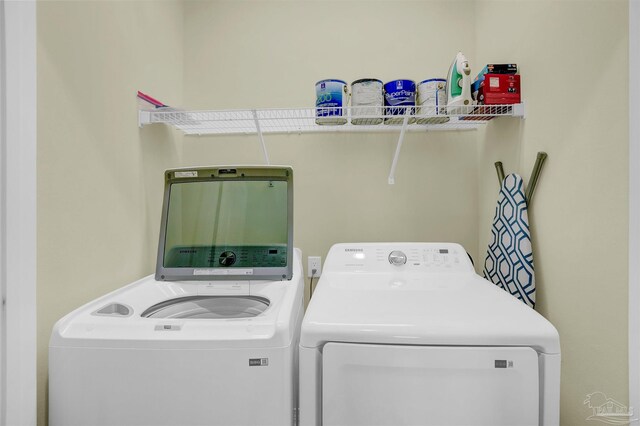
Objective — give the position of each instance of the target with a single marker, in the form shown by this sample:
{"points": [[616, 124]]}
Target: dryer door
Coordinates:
{"points": [[429, 385]]}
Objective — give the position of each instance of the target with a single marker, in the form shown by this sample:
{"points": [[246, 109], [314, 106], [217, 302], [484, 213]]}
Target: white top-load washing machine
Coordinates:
{"points": [[213, 338], [408, 334]]}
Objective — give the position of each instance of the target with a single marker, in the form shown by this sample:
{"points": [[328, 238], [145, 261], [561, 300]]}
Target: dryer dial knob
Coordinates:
{"points": [[397, 258]]}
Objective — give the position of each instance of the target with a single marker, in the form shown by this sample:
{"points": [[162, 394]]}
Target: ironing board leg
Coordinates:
{"points": [[535, 174], [500, 172]]}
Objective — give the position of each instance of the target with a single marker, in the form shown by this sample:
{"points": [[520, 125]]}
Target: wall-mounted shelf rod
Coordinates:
{"points": [[261, 137], [394, 163]]}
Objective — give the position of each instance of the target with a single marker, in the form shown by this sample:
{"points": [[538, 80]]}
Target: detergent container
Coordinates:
{"points": [[432, 102], [399, 99], [331, 100], [366, 101]]}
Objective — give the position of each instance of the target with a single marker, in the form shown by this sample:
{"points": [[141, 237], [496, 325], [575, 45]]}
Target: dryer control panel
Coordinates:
{"points": [[396, 257]]}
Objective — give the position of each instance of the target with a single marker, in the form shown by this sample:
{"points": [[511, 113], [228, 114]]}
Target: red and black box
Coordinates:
{"points": [[497, 89]]}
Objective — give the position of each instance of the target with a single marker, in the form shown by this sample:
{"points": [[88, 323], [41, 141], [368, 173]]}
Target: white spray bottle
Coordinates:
{"points": [[459, 85]]}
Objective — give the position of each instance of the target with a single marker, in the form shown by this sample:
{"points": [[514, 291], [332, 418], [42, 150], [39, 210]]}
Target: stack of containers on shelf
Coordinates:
{"points": [[373, 102]]}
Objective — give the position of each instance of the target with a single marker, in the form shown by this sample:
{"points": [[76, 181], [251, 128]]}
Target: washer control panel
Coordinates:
{"points": [[398, 257]]}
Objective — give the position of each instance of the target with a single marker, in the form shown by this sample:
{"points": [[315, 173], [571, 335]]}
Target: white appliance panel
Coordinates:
{"points": [[107, 387], [433, 298], [407, 258], [110, 366], [364, 384]]}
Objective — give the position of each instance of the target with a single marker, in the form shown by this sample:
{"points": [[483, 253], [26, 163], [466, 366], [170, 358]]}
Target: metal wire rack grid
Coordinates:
{"points": [[347, 119]]}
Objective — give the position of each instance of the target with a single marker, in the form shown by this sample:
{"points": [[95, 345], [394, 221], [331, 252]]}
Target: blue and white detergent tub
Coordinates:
{"points": [[398, 94], [331, 101]]}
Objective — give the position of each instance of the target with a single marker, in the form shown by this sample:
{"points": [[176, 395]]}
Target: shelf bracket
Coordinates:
{"points": [[519, 111], [394, 164], [261, 137], [144, 117]]}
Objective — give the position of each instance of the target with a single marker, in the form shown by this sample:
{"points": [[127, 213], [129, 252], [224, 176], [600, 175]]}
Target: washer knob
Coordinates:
{"points": [[397, 258], [227, 258]]}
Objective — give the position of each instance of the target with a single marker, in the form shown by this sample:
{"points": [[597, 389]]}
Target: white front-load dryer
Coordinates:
{"points": [[407, 334]]}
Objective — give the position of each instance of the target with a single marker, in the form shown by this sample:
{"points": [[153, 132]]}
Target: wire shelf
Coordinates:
{"points": [[315, 120]]}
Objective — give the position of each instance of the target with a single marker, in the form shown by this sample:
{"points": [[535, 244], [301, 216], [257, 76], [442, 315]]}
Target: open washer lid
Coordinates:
{"points": [[227, 223]]}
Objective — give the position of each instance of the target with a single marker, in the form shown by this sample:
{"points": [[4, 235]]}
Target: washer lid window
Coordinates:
{"points": [[227, 223], [209, 307]]}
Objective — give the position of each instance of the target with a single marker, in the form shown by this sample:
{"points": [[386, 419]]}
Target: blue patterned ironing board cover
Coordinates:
{"points": [[509, 262]]}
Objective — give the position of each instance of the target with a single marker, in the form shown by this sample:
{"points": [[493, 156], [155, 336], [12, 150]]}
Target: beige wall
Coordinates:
{"points": [[92, 56], [573, 57], [99, 176], [270, 54]]}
